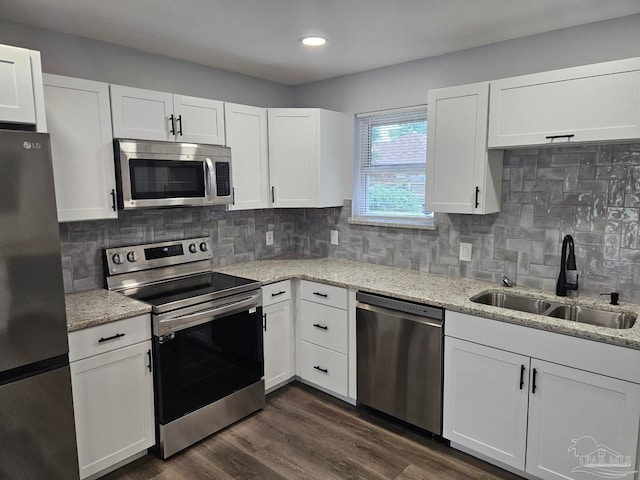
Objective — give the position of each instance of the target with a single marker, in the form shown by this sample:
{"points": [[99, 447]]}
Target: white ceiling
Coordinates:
{"points": [[261, 37]]}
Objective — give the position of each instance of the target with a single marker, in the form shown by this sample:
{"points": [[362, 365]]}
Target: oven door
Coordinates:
{"points": [[204, 363]]}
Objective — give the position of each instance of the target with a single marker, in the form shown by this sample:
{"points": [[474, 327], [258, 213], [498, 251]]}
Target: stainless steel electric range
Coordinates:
{"points": [[207, 337]]}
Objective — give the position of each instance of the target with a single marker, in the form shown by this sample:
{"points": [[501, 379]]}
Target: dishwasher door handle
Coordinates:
{"points": [[431, 322]]}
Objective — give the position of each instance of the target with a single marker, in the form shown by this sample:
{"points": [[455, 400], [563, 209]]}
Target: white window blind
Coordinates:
{"points": [[391, 153]]}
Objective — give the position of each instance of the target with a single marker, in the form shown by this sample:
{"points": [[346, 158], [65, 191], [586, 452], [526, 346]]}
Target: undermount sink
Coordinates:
{"points": [[512, 302], [575, 313], [593, 316]]}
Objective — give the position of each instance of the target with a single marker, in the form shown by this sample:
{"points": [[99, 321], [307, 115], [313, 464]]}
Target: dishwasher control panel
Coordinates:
{"points": [[436, 313]]}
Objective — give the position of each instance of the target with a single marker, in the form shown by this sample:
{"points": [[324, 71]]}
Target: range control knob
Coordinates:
{"points": [[204, 246], [118, 258], [193, 248], [132, 256]]}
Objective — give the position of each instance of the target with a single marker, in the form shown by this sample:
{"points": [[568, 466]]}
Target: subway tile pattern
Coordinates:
{"points": [[591, 192]]}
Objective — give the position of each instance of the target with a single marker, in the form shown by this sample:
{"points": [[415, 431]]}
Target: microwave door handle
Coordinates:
{"points": [[210, 179]]}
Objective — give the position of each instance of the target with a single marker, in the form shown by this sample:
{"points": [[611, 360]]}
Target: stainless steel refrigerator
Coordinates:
{"points": [[37, 432]]}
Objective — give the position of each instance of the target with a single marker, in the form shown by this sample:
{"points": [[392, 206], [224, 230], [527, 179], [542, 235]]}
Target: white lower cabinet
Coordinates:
{"points": [[485, 408], [578, 417], [549, 420], [324, 368], [322, 327], [278, 334], [112, 394]]}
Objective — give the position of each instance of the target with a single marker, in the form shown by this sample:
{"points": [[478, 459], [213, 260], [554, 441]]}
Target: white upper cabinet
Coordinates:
{"points": [[141, 114], [79, 120], [199, 120], [20, 85], [306, 151], [462, 175], [246, 134], [150, 115], [592, 103]]}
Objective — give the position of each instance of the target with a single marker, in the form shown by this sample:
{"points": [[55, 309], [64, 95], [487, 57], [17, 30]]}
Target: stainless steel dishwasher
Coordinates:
{"points": [[399, 359]]}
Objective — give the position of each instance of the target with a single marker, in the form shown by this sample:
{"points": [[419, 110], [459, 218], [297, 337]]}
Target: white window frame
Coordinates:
{"points": [[362, 165]]}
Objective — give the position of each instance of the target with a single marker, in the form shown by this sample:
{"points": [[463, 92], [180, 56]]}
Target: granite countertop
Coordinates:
{"points": [[94, 307], [450, 293]]}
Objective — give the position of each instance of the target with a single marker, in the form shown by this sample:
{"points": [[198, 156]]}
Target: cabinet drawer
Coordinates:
{"points": [[323, 325], [324, 367], [325, 294], [276, 292], [109, 336]]}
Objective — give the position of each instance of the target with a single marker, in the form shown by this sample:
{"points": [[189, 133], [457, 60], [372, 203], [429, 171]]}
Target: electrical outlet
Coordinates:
{"points": [[465, 252], [269, 238], [334, 237]]}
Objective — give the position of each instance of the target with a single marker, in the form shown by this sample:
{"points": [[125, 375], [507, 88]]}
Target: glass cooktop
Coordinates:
{"points": [[209, 285]]}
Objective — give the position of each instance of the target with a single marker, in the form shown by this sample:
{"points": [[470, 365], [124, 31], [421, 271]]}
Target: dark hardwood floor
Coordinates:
{"points": [[305, 434]]}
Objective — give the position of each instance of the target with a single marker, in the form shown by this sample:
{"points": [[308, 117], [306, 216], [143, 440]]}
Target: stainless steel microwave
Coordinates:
{"points": [[152, 174]]}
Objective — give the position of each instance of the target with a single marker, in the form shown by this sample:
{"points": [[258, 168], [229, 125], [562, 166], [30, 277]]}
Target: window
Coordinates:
{"points": [[391, 153]]}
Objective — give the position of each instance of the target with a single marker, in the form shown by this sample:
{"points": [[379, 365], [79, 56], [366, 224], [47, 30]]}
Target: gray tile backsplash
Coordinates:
{"points": [[235, 237], [591, 192]]}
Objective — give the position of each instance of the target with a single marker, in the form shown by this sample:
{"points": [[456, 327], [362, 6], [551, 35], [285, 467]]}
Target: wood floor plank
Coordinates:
{"points": [[305, 434]]}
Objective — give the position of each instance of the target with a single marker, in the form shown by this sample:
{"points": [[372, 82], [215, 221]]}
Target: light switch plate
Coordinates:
{"points": [[334, 237], [465, 252], [269, 238]]}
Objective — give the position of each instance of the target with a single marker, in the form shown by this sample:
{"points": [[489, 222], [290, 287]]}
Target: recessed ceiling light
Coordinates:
{"points": [[313, 41]]}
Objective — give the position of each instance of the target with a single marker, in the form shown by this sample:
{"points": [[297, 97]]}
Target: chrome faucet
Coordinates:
{"points": [[568, 277]]}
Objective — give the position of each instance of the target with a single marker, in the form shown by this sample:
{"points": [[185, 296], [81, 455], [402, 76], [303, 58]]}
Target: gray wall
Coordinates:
{"points": [[84, 58], [408, 83]]}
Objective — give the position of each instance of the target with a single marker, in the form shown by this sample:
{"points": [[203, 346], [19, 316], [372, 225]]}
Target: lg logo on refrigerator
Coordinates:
{"points": [[30, 145]]}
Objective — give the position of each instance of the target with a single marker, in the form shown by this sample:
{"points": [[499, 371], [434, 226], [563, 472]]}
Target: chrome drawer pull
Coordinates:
{"points": [[323, 370], [117, 335]]}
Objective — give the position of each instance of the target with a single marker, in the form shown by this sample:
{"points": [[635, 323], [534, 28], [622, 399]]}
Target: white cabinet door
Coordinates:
{"points": [[16, 86], [591, 103], [246, 129], [462, 176], [485, 400], [113, 406], [142, 114], [293, 156], [277, 344], [577, 418], [198, 120], [79, 121]]}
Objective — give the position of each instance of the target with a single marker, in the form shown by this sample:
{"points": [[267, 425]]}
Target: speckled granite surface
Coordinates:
{"points": [[450, 293], [94, 307]]}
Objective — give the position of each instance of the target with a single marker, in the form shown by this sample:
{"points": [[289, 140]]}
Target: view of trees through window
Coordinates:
{"points": [[396, 173]]}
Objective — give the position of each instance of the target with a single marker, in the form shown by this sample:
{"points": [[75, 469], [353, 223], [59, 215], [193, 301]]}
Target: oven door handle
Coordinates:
{"points": [[198, 318]]}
